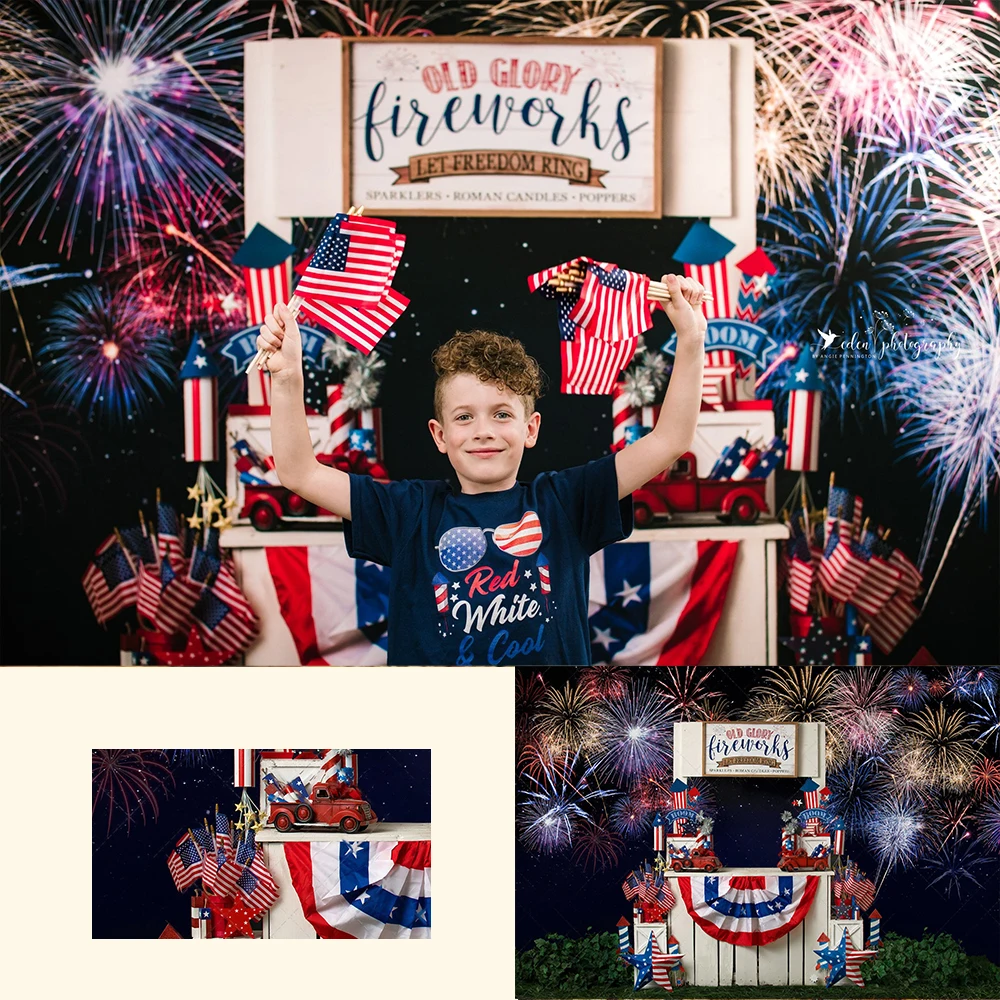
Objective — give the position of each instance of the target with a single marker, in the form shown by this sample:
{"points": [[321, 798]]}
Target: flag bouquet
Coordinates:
{"points": [[602, 311], [346, 284], [837, 566], [226, 862], [189, 606]]}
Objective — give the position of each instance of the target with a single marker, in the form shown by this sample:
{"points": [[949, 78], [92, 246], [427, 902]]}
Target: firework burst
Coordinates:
{"points": [[556, 804], [949, 816], [986, 778], [190, 758], [986, 716], [604, 681], [129, 780], [863, 707], [847, 265], [955, 865], [897, 832], [857, 790], [966, 684], [567, 718], [949, 404], [104, 356], [713, 710], [936, 750], [597, 846], [180, 257], [630, 817], [576, 18], [634, 736], [909, 687], [988, 823], [684, 689], [378, 18], [800, 694], [133, 103]]}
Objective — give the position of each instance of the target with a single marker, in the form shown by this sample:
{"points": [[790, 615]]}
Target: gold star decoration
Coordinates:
{"points": [[194, 521], [194, 492], [230, 503], [211, 506], [222, 523]]}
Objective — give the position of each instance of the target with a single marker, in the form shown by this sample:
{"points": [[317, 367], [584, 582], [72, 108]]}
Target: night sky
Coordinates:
{"points": [[133, 894], [556, 894]]}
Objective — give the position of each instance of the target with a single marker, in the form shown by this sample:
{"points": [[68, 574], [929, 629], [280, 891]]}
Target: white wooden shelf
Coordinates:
{"points": [[380, 831]]}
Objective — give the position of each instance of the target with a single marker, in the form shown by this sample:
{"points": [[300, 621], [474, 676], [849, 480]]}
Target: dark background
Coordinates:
{"points": [[557, 895], [133, 893], [460, 274]]}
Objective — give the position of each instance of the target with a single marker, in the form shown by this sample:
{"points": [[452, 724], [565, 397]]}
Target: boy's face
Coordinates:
{"points": [[484, 432]]}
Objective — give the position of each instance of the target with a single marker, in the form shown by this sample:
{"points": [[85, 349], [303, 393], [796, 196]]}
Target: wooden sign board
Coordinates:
{"points": [[512, 127], [744, 749]]}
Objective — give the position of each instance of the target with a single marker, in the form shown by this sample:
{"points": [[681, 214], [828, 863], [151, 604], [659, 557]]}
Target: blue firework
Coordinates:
{"points": [[104, 356], [909, 687], [988, 822], [955, 864], [847, 265], [857, 789], [555, 804], [898, 832], [986, 716], [634, 735], [630, 817], [969, 684]]}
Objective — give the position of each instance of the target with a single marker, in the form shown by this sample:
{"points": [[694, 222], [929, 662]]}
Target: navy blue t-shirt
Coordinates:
{"points": [[489, 578]]}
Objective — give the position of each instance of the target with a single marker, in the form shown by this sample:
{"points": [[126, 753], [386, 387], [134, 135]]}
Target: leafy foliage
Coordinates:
{"points": [[934, 960], [586, 964]]}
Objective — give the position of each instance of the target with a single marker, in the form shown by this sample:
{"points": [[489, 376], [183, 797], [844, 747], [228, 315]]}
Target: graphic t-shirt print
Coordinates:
{"points": [[493, 602]]}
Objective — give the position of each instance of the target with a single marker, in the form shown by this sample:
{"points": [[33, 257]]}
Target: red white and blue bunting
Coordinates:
{"points": [[748, 909]]}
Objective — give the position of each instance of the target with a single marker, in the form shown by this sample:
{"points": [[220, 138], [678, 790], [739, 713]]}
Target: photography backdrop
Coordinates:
{"points": [[72, 471], [937, 847], [133, 894]]}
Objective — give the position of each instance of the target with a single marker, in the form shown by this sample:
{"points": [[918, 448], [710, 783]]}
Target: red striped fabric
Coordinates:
{"points": [[610, 314], [892, 622], [662, 964], [841, 573], [591, 366], [363, 328], [520, 539], [715, 278], [266, 287]]}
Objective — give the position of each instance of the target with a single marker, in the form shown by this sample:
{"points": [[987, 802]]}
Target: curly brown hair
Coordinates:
{"points": [[491, 357]]}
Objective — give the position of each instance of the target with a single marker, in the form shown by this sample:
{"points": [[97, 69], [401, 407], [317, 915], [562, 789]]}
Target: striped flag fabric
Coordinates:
{"points": [[255, 884], [184, 863], [663, 962], [840, 570], [110, 581], [632, 884], [361, 327], [353, 263], [881, 579], [800, 574], [365, 889], [715, 278], [892, 622], [839, 513], [244, 773], [614, 304], [910, 578], [539, 278], [222, 626], [168, 536], [590, 367], [520, 539]]}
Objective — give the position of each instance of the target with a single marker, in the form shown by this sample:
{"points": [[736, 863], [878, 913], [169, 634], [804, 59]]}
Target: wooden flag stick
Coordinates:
{"points": [[295, 303], [568, 280]]}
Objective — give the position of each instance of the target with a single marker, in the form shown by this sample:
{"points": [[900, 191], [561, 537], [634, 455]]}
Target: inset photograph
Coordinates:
{"points": [[758, 832], [306, 844]]}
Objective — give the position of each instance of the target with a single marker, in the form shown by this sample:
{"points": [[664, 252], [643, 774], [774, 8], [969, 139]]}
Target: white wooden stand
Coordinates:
{"points": [[285, 919], [789, 961]]}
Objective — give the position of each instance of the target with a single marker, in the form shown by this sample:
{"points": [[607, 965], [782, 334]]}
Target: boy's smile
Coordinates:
{"points": [[484, 432]]}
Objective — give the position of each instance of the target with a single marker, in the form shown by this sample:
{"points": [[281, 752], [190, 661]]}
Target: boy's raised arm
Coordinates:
{"points": [[674, 431], [294, 461]]}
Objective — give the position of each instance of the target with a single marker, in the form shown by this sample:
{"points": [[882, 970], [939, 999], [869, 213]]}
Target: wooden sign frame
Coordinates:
{"points": [[605, 211], [719, 774]]}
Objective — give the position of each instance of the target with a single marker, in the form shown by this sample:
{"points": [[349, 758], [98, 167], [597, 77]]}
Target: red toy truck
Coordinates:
{"points": [[792, 860], [700, 857], [678, 490], [267, 505], [349, 815]]}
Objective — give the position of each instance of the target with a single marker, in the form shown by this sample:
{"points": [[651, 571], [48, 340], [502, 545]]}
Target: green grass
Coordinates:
{"points": [[817, 992]]}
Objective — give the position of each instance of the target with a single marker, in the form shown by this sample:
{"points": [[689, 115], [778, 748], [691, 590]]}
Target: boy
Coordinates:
{"points": [[497, 573]]}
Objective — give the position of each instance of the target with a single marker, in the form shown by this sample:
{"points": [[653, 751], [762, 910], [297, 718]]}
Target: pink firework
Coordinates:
{"points": [[604, 681], [597, 846], [129, 780], [684, 689]]}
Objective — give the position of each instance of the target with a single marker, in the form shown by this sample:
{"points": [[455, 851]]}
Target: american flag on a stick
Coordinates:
{"points": [[800, 574], [614, 304], [110, 581], [363, 327], [591, 366]]}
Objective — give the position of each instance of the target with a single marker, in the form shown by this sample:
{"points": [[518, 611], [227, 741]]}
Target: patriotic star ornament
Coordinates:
{"points": [[842, 962], [238, 917], [642, 962]]}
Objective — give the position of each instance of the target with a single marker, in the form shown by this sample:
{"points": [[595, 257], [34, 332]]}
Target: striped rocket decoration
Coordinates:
{"points": [[623, 940], [674, 948], [341, 421], [746, 466], [441, 598], [874, 930], [370, 423], [703, 254], [244, 774], [754, 270], [811, 794], [679, 796], [805, 403], [200, 376], [718, 379], [622, 416], [259, 387], [266, 261], [659, 834], [838, 832], [201, 918]]}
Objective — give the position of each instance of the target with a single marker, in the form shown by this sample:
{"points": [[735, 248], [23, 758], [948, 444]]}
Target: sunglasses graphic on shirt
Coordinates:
{"points": [[462, 548]]}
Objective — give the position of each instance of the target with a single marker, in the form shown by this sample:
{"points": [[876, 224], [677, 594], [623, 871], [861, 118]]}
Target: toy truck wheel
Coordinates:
{"points": [[349, 824], [298, 507], [262, 516], [303, 813], [743, 511], [641, 514], [283, 822], [677, 866]]}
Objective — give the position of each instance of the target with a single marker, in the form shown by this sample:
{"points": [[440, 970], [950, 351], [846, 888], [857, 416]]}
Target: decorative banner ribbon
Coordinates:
{"points": [[742, 761], [425, 167], [748, 910]]}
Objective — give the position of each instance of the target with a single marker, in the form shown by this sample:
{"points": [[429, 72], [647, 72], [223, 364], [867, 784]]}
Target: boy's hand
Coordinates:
{"points": [[281, 338], [684, 307]]}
